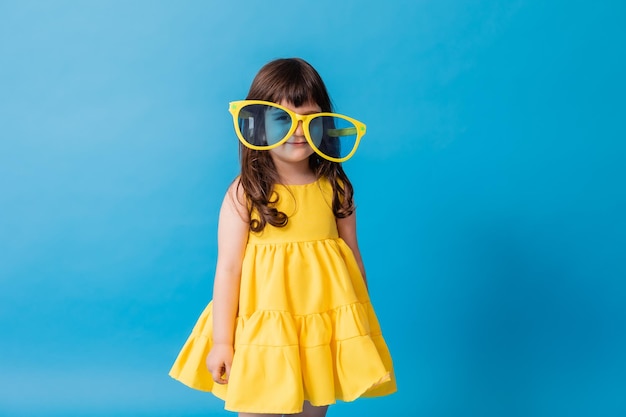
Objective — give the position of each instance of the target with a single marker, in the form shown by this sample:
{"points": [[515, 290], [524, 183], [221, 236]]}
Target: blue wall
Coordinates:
{"points": [[490, 188]]}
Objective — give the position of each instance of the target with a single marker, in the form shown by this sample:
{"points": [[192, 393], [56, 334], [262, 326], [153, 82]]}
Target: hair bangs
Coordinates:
{"points": [[291, 80], [295, 93]]}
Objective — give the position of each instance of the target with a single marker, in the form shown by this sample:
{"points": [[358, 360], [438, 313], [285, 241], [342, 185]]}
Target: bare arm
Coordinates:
{"points": [[232, 237], [347, 231]]}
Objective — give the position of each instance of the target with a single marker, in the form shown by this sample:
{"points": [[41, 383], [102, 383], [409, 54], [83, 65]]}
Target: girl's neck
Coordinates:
{"points": [[294, 174]]}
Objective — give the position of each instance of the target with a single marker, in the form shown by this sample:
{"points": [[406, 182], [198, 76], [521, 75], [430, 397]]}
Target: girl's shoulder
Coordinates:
{"points": [[236, 197]]}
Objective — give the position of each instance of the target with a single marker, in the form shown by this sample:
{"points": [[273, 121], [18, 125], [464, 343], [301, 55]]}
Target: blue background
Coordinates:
{"points": [[490, 188]]}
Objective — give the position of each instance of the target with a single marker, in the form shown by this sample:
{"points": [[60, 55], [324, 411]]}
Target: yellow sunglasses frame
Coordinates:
{"points": [[235, 107]]}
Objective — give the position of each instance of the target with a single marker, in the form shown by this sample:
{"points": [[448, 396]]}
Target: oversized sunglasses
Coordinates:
{"points": [[263, 125]]}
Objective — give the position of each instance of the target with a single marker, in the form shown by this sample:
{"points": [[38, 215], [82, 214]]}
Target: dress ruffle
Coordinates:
{"points": [[322, 357]]}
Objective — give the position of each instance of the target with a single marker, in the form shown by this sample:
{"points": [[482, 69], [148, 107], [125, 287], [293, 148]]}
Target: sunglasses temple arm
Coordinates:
{"points": [[341, 132], [245, 114]]}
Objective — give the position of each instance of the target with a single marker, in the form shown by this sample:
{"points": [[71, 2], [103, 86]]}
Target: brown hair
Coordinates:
{"points": [[293, 80]]}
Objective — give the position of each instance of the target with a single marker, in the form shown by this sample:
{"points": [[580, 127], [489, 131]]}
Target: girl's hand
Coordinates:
{"points": [[218, 362]]}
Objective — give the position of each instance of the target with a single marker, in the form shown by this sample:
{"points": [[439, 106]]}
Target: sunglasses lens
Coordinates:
{"points": [[263, 125], [333, 136]]}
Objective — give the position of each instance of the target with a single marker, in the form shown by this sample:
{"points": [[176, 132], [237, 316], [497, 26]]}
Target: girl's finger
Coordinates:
{"points": [[219, 375], [227, 371]]}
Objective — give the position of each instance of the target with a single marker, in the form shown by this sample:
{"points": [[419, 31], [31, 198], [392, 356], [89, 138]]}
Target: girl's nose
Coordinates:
{"points": [[299, 129]]}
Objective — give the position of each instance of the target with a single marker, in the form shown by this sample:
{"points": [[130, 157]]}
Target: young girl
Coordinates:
{"points": [[290, 328]]}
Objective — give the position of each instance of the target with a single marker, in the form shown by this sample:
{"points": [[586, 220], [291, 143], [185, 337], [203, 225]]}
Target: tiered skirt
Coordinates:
{"points": [[303, 332]]}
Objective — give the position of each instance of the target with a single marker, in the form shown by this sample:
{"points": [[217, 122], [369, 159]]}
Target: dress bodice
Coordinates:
{"points": [[309, 209]]}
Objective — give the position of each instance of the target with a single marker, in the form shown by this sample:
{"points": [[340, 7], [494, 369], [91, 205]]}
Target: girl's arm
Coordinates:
{"points": [[347, 231], [232, 236]]}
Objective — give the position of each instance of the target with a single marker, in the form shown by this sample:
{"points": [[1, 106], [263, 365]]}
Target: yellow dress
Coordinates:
{"points": [[305, 329]]}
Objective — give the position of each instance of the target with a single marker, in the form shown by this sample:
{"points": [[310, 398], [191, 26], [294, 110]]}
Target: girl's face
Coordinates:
{"points": [[296, 149]]}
